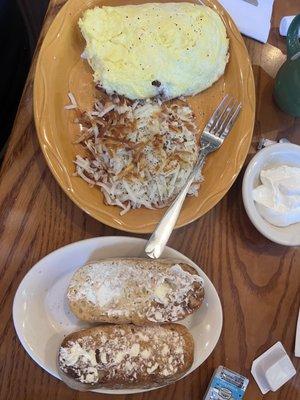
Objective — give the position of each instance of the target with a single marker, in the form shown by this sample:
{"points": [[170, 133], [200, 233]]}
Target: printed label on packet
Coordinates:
{"points": [[226, 385]]}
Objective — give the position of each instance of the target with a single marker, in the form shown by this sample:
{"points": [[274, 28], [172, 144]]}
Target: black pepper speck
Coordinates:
{"points": [[156, 83]]}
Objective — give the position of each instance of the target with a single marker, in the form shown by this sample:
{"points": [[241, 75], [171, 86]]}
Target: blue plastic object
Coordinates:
{"points": [[226, 385]]}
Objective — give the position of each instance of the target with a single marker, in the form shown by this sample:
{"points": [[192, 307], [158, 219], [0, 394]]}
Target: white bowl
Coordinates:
{"points": [[271, 156]]}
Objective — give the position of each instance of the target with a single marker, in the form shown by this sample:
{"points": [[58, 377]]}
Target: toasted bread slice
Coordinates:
{"points": [[135, 290], [126, 356]]}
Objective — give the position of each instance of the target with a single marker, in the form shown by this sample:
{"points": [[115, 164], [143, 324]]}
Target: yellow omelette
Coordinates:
{"points": [[140, 51]]}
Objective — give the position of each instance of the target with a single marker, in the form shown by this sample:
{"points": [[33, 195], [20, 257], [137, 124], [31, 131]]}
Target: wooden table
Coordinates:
{"points": [[258, 281]]}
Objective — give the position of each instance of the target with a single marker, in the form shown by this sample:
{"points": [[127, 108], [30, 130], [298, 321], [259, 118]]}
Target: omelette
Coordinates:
{"points": [[155, 49]]}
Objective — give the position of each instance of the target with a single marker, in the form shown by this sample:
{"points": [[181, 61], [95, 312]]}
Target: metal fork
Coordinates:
{"points": [[213, 136]]}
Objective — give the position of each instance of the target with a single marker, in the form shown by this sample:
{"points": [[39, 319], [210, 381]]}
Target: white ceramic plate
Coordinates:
{"points": [[42, 317], [271, 156]]}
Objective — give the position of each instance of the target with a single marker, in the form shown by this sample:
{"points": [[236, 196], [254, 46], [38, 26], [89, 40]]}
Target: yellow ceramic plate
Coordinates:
{"points": [[61, 70]]}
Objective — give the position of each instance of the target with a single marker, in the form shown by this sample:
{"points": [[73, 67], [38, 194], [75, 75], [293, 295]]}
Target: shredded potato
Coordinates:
{"points": [[140, 153]]}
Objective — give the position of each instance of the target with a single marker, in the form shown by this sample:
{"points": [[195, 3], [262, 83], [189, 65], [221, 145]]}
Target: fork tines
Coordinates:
{"points": [[224, 117]]}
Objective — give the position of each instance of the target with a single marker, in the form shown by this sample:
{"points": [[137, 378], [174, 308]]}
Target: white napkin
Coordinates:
{"points": [[253, 21]]}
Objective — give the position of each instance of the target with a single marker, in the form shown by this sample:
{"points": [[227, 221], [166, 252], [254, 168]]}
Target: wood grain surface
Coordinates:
{"points": [[258, 281]]}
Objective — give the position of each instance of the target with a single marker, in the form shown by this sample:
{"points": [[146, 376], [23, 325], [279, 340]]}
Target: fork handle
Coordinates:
{"points": [[159, 238]]}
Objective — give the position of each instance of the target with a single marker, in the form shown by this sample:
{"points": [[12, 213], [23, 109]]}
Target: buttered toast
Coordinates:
{"points": [[126, 356], [135, 290]]}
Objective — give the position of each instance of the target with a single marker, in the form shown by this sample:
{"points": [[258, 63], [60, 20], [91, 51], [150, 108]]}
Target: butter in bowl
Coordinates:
{"points": [[271, 193]]}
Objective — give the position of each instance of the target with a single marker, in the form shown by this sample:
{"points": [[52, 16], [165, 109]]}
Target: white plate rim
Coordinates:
{"points": [[36, 266]]}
